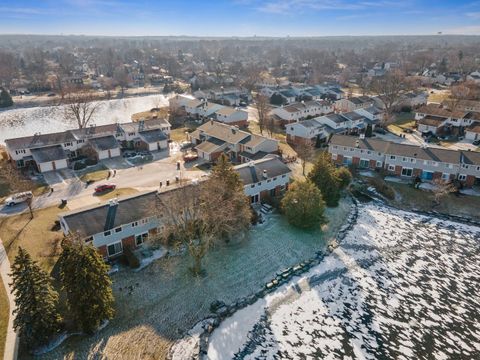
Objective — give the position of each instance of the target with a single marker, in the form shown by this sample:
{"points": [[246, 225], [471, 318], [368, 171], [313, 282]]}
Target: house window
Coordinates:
{"points": [[140, 239], [89, 239], [434, 163], [392, 157], [413, 160], [135, 223], [274, 178], [363, 163], [252, 186], [143, 221], [334, 156], [114, 249], [445, 176], [462, 177], [284, 176], [391, 167], [407, 172], [107, 233], [119, 229], [379, 164]]}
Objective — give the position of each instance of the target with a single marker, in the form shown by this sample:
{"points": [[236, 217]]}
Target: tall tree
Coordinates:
{"points": [[36, 317], [303, 205], [199, 215], [80, 106], [5, 98], [389, 88], [305, 152], [324, 176], [263, 110], [121, 77], [84, 277]]}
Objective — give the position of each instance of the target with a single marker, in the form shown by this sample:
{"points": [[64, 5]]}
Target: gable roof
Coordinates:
{"points": [[29, 142], [104, 143], [227, 133], [49, 153], [253, 171], [93, 219]]}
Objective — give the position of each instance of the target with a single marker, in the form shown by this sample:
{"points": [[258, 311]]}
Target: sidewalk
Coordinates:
{"points": [[11, 342]]}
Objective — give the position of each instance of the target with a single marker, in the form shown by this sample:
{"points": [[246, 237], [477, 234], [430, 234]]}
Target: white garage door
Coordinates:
{"points": [[44, 167]]}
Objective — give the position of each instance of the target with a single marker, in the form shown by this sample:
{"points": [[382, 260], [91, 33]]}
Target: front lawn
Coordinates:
{"points": [[99, 173], [4, 311], [116, 193], [39, 236]]}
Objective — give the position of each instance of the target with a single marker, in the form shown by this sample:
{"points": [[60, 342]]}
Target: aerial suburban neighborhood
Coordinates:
{"points": [[239, 180]]}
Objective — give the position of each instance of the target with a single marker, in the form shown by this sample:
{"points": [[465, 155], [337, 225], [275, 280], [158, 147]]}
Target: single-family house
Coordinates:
{"points": [[232, 116], [307, 131]]}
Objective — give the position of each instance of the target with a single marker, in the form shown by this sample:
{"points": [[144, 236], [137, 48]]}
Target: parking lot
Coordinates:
{"points": [[138, 172]]}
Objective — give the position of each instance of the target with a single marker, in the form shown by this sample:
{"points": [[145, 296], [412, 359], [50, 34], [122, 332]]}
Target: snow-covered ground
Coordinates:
{"points": [[46, 119], [400, 286]]}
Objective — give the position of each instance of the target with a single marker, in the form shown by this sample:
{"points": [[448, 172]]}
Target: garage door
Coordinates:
{"points": [[44, 167]]}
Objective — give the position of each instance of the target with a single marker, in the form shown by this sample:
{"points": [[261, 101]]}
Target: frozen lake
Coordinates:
{"points": [[400, 286], [47, 119]]}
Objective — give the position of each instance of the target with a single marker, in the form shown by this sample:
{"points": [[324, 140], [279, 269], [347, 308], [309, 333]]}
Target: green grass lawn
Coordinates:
{"points": [[4, 311]]}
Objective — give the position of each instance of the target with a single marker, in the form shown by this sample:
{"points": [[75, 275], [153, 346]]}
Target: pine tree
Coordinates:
{"points": [[84, 277], [223, 171], [5, 98], [36, 315], [303, 205], [369, 131], [324, 176]]}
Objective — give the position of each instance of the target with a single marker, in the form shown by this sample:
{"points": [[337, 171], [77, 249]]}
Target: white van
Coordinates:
{"points": [[18, 198]]}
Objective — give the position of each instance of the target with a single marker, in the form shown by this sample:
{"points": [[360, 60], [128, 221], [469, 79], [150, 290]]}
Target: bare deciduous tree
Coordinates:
{"points": [[441, 189], [263, 110], [80, 106], [389, 89], [16, 181], [199, 215], [457, 94], [305, 152]]}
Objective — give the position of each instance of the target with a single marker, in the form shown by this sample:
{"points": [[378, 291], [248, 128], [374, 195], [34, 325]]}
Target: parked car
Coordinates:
{"points": [[408, 131], [190, 156], [51, 94], [18, 198], [104, 187], [185, 145], [380, 130], [476, 142]]}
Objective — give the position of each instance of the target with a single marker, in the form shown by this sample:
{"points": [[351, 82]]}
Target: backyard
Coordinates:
{"points": [[158, 304], [398, 287]]}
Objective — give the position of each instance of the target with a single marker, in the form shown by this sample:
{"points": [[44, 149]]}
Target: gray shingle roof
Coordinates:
{"points": [[251, 173], [152, 136], [104, 143], [50, 153], [29, 142]]}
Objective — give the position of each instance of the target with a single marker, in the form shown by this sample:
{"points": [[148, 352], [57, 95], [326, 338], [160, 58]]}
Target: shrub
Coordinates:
{"points": [[91, 162], [132, 259], [345, 177], [79, 165], [324, 176], [382, 187]]}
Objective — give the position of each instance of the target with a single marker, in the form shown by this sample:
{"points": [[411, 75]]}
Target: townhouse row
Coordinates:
{"points": [[130, 221], [53, 151], [214, 138], [202, 109], [319, 129], [439, 119], [407, 161]]}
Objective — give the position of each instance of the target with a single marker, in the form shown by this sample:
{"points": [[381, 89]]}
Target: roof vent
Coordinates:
{"points": [[265, 175], [357, 143]]}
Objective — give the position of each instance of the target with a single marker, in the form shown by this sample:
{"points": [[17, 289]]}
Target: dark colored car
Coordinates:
{"points": [[476, 142], [408, 131], [380, 130], [52, 94], [104, 188]]}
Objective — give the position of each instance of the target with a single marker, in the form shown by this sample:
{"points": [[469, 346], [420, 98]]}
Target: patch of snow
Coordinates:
{"points": [[156, 254], [47, 119]]}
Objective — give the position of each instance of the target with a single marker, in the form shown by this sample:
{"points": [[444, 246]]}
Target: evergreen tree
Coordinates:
{"points": [[5, 98], [324, 176], [223, 171], [369, 131], [36, 315], [303, 205], [84, 277]]}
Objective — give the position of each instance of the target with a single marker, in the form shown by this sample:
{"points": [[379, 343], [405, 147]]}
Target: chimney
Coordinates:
{"points": [[357, 143], [265, 175]]}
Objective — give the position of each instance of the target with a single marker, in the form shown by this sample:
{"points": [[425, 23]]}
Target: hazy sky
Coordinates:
{"points": [[239, 17]]}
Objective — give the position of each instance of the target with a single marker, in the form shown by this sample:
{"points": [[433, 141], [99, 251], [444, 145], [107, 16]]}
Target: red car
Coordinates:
{"points": [[105, 187]]}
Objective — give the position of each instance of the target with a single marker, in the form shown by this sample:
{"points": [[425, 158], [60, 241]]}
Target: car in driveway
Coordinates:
{"points": [[18, 198], [104, 188], [476, 142]]}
